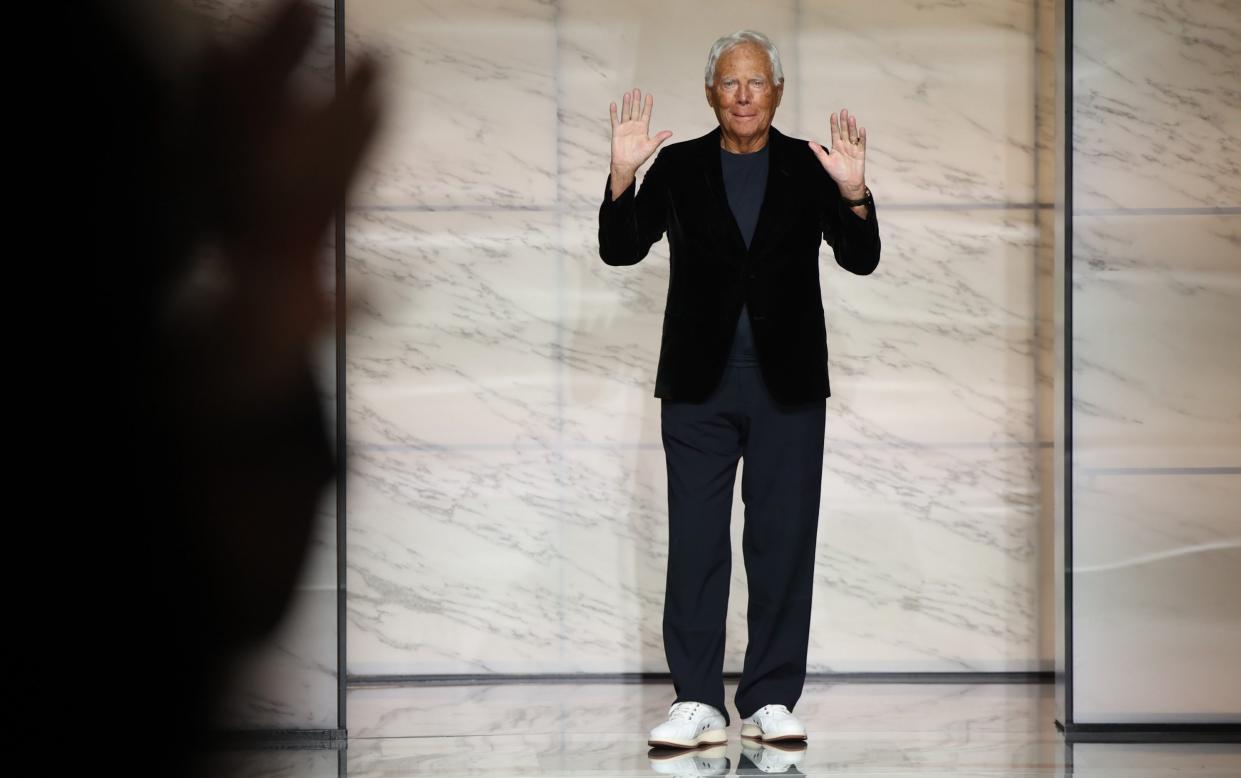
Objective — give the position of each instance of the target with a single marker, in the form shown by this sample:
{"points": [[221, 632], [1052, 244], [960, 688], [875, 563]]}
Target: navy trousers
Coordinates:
{"points": [[783, 451]]}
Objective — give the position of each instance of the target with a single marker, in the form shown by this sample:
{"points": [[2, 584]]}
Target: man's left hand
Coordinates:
{"points": [[846, 161]]}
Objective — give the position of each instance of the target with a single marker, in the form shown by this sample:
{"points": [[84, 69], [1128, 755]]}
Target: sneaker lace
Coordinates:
{"points": [[683, 710]]}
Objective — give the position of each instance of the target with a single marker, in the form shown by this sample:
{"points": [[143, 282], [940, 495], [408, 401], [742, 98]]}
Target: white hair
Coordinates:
{"points": [[721, 46]]}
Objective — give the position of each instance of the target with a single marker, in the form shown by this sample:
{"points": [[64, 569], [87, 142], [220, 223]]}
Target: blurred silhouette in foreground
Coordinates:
{"points": [[186, 507]]}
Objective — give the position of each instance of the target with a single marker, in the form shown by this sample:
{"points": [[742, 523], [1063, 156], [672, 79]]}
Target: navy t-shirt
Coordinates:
{"points": [[745, 181]]}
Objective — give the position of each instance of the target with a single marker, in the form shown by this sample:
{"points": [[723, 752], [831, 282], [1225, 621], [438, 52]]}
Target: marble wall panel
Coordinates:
{"points": [[533, 561], [1156, 104], [1157, 565], [456, 563], [1156, 414], [612, 324], [903, 711], [891, 586], [946, 91], [471, 109], [938, 345], [454, 340], [1156, 360], [507, 501], [1157, 452]]}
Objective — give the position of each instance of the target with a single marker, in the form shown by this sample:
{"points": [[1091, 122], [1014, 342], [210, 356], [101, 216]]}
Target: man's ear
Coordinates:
{"points": [[779, 94], [707, 89]]}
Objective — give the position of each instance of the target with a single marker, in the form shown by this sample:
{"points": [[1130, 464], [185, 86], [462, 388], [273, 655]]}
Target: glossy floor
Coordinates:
{"points": [[600, 729]]}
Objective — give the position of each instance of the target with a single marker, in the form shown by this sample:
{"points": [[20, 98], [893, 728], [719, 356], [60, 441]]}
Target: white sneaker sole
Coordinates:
{"points": [[755, 732], [706, 752], [711, 737]]}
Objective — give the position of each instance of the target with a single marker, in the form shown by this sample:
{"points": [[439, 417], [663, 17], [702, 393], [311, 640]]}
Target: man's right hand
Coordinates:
{"points": [[631, 141]]}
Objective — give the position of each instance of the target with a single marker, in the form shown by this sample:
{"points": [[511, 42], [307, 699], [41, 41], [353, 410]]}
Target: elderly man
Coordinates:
{"points": [[742, 369]]}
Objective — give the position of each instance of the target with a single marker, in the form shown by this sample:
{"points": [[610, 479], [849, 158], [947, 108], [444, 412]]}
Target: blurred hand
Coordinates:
{"points": [[277, 167]]}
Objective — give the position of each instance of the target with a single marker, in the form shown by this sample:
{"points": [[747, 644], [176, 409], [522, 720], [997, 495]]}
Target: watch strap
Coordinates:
{"points": [[864, 200]]}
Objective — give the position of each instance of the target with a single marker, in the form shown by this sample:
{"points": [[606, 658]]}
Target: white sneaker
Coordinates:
{"points": [[689, 725], [773, 722]]}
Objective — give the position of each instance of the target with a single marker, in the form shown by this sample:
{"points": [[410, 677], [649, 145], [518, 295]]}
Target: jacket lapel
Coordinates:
{"points": [[713, 171], [776, 205]]}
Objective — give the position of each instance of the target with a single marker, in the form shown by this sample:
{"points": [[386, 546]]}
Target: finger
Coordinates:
{"points": [[268, 60], [862, 135], [646, 109], [853, 136], [612, 112], [331, 143], [637, 105], [662, 136], [835, 128], [342, 135], [624, 115], [819, 151]]}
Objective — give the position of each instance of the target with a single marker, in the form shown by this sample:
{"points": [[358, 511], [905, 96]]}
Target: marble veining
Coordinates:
{"points": [[1156, 106], [1155, 301], [1156, 413], [507, 488]]}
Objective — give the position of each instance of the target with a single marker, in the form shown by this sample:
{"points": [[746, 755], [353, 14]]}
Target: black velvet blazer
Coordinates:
{"points": [[712, 272]]}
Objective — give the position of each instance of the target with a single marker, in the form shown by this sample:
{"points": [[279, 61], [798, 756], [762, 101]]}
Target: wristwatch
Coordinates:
{"points": [[865, 200]]}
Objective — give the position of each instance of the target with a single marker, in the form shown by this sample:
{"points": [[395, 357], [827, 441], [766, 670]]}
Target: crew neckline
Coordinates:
{"points": [[745, 153]]}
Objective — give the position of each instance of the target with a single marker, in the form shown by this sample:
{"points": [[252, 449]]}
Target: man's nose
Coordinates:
{"points": [[743, 95]]}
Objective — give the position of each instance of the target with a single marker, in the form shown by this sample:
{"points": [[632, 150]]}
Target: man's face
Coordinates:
{"points": [[744, 95]]}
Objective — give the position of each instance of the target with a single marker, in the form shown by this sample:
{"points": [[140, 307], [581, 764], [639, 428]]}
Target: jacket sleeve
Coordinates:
{"points": [[854, 240], [631, 224]]}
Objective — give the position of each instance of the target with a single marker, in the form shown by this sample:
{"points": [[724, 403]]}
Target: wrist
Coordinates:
{"points": [[621, 173], [853, 192], [620, 181]]}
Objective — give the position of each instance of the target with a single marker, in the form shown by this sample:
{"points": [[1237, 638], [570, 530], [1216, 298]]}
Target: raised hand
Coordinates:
{"points": [[846, 161], [632, 143], [273, 165]]}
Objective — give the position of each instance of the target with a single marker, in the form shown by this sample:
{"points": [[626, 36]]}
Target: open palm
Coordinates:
{"points": [[846, 161], [632, 143]]}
